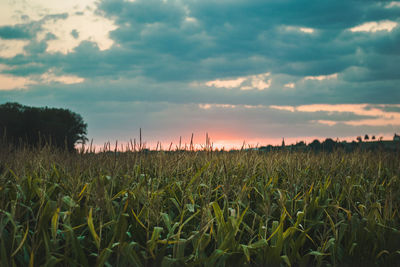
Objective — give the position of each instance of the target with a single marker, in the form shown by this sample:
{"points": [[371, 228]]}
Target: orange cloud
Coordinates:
{"points": [[382, 117]]}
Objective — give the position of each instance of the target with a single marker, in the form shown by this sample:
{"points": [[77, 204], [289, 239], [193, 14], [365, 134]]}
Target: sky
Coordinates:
{"points": [[240, 70]]}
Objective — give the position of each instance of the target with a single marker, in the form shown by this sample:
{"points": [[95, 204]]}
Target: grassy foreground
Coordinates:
{"points": [[199, 209]]}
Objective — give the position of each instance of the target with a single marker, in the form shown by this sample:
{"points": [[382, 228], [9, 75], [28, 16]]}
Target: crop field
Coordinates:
{"points": [[202, 208]]}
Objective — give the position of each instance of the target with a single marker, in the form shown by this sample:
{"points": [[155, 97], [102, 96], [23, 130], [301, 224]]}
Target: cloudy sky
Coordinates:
{"points": [[254, 70]]}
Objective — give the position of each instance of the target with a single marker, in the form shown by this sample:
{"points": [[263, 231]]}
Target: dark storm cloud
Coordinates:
{"points": [[28, 30], [205, 40], [236, 31], [149, 11], [15, 32]]}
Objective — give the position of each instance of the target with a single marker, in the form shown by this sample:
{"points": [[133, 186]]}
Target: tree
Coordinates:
{"points": [[359, 139], [33, 126], [301, 144], [328, 144], [366, 137], [373, 137], [315, 145]]}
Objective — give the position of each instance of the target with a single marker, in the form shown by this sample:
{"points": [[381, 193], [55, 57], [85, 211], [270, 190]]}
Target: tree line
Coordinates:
{"points": [[329, 145], [32, 126]]}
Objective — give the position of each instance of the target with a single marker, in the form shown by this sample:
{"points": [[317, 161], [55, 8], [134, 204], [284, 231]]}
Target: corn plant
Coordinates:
{"points": [[199, 208]]}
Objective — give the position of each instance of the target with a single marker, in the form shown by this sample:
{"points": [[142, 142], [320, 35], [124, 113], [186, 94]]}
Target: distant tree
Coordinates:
{"points": [[301, 143], [270, 148], [359, 139], [283, 142], [315, 145], [373, 137], [329, 144], [366, 137], [267, 148], [35, 126]]}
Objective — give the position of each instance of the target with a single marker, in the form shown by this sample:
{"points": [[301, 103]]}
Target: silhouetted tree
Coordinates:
{"points": [[359, 139], [373, 137], [36, 126], [366, 137], [315, 145], [301, 143], [328, 144]]}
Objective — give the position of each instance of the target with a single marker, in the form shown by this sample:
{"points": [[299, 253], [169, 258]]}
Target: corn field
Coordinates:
{"points": [[199, 208]]}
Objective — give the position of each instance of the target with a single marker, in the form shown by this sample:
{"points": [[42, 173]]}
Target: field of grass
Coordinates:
{"points": [[205, 208]]}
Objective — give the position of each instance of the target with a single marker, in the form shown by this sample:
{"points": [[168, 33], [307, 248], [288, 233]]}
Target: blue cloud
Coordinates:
{"points": [[28, 30], [75, 33], [15, 32]]}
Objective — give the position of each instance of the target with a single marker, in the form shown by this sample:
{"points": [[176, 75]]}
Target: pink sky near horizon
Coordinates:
{"points": [[233, 135], [221, 143]]}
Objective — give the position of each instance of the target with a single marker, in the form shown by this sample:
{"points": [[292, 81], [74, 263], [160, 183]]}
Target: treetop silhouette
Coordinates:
{"points": [[32, 126]]}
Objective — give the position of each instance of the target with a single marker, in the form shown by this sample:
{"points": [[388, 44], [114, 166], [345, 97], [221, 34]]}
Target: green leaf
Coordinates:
{"points": [[92, 229]]}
